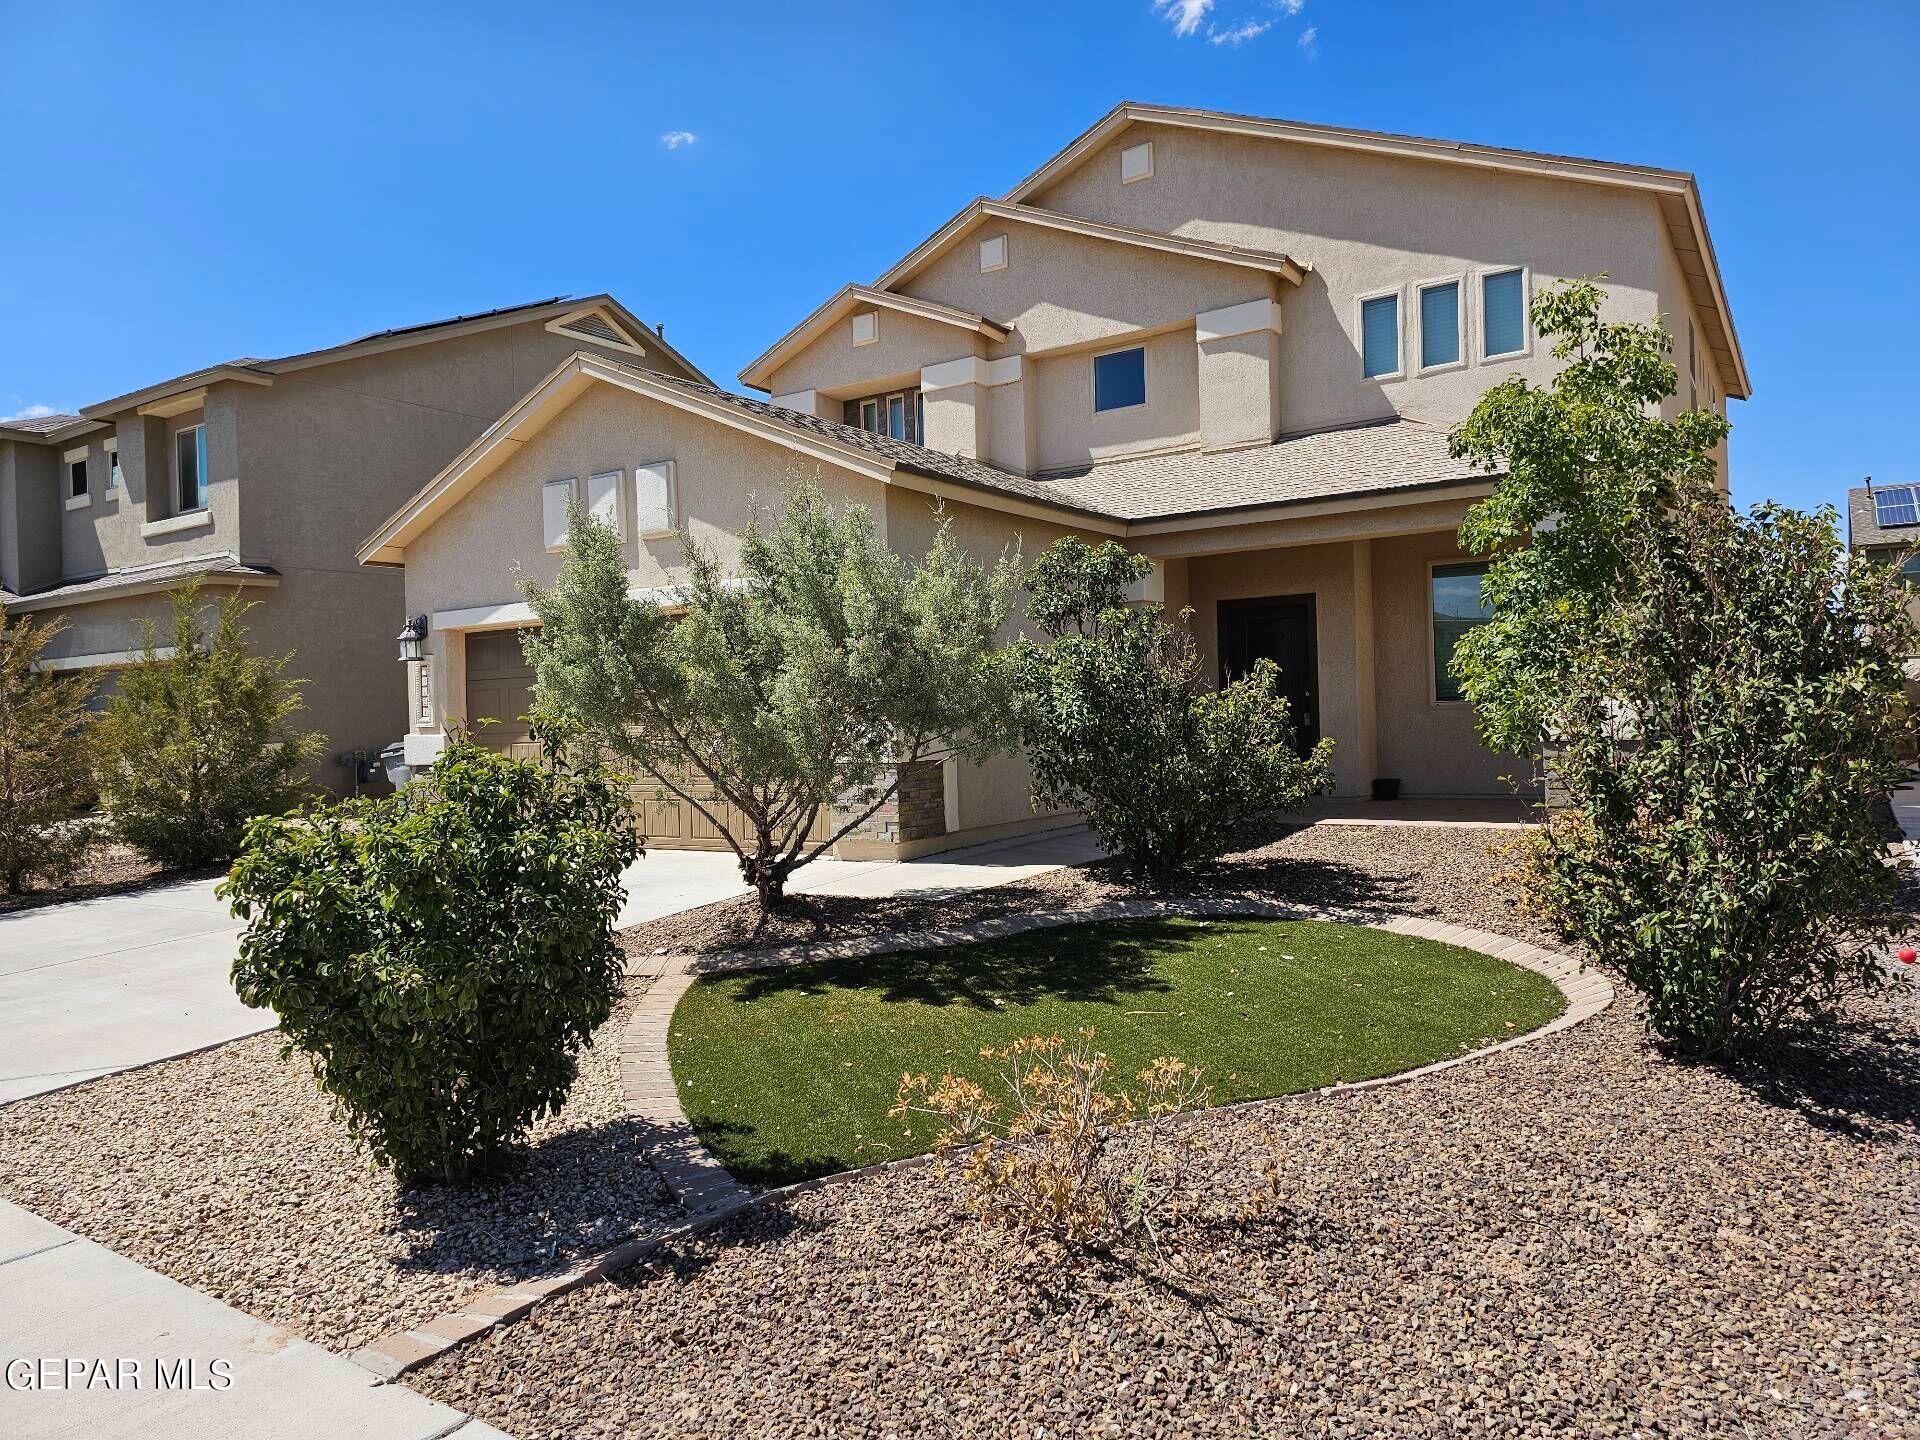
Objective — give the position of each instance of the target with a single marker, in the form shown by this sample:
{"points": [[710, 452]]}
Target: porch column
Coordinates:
{"points": [[1366, 715]]}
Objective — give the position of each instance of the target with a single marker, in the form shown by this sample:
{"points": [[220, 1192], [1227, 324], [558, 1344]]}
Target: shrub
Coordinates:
{"points": [[441, 955], [1118, 721], [1723, 742], [1044, 1161], [1718, 695], [806, 680], [45, 760], [196, 744]]}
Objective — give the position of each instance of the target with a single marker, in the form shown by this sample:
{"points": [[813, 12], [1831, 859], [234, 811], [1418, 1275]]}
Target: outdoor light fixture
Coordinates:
{"points": [[413, 640]]}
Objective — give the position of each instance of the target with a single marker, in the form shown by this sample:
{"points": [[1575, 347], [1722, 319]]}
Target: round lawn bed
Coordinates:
{"points": [[788, 1073]]}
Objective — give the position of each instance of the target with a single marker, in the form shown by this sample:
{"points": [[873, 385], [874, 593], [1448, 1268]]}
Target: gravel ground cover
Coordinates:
{"points": [[110, 868], [1575, 1237], [226, 1171], [789, 1072]]}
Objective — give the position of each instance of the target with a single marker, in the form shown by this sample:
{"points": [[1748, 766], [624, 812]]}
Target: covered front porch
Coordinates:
{"points": [[1358, 605]]}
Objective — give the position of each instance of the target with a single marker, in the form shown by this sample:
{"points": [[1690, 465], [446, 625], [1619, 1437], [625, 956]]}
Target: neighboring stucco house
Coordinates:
{"points": [[1237, 345], [1883, 526], [262, 475]]}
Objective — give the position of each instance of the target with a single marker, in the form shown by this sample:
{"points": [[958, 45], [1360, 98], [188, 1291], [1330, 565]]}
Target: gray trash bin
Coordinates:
{"points": [[393, 760]]}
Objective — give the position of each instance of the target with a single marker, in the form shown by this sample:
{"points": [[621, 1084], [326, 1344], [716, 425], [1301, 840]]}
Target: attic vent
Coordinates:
{"points": [[595, 328]]}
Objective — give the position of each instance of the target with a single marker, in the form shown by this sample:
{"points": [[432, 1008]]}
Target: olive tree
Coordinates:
{"points": [[1718, 696], [804, 679]]}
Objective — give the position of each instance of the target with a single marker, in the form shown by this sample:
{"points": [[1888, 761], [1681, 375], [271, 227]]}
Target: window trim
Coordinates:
{"points": [[1420, 288], [618, 474], [111, 448], [1480, 277], [205, 486], [887, 414], [648, 467], [1433, 653], [1093, 380], [1398, 292], [1135, 149], [572, 482], [83, 497], [873, 401], [987, 268], [872, 317]]}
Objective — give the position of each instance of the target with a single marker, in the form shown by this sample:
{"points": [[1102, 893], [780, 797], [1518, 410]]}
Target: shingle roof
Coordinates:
{"points": [[222, 566], [1359, 460], [1863, 522], [40, 424]]}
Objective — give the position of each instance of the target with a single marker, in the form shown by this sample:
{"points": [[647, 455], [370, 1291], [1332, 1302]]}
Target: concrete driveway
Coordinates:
{"points": [[103, 985]]}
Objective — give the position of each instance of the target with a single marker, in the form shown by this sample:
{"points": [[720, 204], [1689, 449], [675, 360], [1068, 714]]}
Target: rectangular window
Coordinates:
{"points": [[190, 467], [113, 469], [653, 497], [76, 479], [1380, 335], [1503, 313], [870, 416], [1120, 379], [1895, 505], [919, 417], [993, 253], [897, 416], [555, 498], [1457, 609], [1440, 325], [603, 500]]}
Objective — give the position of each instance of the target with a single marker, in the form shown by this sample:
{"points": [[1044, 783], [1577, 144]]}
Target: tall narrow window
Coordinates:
{"points": [[190, 467], [1503, 313], [76, 479], [897, 416], [870, 416], [1380, 335], [113, 469], [1457, 609], [1120, 379], [1440, 325]]}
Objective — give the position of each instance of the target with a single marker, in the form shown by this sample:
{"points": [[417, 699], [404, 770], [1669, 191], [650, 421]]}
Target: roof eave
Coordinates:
{"points": [[757, 374]]}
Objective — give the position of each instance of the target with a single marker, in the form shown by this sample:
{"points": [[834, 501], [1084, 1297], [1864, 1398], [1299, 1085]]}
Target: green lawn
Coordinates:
{"points": [[788, 1073]]}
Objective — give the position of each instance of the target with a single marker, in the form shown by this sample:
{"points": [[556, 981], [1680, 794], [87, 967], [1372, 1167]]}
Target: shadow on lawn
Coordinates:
{"points": [[771, 1167]]}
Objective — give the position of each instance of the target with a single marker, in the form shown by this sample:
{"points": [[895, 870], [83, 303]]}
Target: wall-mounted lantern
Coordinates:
{"points": [[413, 640]]}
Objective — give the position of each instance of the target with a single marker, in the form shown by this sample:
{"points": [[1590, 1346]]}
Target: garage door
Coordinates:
{"points": [[500, 689]]}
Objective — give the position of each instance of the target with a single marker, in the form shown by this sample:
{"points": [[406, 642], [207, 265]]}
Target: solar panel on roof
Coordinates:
{"points": [[1894, 505]]}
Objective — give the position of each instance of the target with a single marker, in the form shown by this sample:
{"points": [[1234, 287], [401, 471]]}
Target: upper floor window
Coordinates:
{"points": [[1380, 335], [190, 467], [1503, 313], [1458, 608], [113, 467], [866, 327], [1136, 162], [77, 479], [898, 415], [1440, 324], [993, 253], [1120, 379]]}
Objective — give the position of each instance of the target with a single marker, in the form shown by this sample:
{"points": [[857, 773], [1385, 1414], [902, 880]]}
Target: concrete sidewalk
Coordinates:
{"points": [[93, 1345], [101, 985], [665, 882]]}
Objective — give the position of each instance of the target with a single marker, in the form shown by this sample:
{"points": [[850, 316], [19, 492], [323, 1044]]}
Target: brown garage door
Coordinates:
{"points": [[500, 689]]}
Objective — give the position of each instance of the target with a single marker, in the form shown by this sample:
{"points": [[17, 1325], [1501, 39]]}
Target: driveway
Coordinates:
{"points": [[103, 985]]}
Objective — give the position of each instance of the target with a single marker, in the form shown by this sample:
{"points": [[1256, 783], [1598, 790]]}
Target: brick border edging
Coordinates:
{"points": [[710, 1195]]}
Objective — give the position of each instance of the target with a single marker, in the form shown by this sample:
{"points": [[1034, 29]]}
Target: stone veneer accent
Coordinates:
{"points": [[710, 1195], [917, 810]]}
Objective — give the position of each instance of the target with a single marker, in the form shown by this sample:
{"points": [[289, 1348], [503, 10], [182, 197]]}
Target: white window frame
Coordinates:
{"points": [[1399, 293], [873, 429], [1526, 312], [1142, 168], [112, 451], [619, 477], [993, 253], [69, 459], [886, 415], [872, 318], [673, 497], [547, 487], [173, 465], [1093, 382], [1420, 289]]}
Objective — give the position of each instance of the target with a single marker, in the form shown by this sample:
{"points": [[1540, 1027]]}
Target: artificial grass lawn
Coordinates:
{"points": [[788, 1073]]}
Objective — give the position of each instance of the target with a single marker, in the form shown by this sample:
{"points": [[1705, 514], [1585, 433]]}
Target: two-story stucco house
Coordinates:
{"points": [[1236, 345], [263, 474]]}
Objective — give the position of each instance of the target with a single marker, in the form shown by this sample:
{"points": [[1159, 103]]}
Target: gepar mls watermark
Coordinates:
{"points": [[124, 1372]]}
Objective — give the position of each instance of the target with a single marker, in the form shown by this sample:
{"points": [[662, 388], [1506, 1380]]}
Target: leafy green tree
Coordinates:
{"points": [[46, 755], [441, 955], [1117, 720], [806, 679], [196, 744], [1717, 695]]}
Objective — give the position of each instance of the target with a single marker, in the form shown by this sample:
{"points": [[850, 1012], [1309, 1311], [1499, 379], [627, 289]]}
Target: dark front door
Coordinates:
{"points": [[1279, 629]]}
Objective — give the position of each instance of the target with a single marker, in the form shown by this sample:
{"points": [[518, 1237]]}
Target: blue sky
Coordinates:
{"points": [[190, 183]]}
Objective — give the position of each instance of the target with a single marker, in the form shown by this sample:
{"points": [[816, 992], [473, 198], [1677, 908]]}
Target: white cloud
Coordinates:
{"points": [[1310, 42], [1186, 15], [32, 412], [678, 139], [1239, 34], [1290, 7]]}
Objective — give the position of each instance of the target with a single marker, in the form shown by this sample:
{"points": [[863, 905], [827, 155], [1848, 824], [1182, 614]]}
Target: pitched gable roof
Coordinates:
{"points": [[759, 372], [1677, 191]]}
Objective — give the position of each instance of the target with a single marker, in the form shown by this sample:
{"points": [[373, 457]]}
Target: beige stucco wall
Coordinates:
{"points": [[906, 345], [1070, 433], [1367, 223], [29, 515]]}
